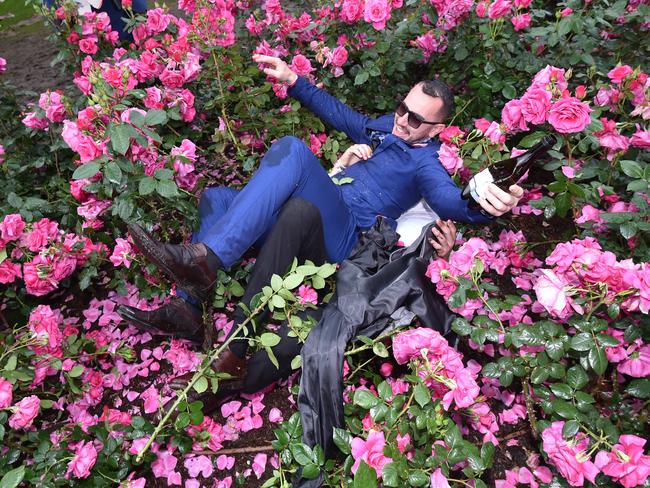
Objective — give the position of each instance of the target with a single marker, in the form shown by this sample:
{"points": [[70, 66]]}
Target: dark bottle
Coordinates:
{"points": [[506, 172]]}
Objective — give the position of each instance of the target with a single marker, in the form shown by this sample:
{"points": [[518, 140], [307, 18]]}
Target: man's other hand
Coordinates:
{"points": [[444, 238], [276, 68], [497, 202]]}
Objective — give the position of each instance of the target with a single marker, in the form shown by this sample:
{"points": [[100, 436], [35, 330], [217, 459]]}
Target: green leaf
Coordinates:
{"points": [[422, 395], [12, 362], [120, 136], [639, 388], [137, 119], [458, 298], [598, 360], [155, 117], [113, 172], [379, 348], [390, 475], [343, 440], [632, 169], [76, 371], [555, 349], [343, 181], [576, 377], [509, 92], [564, 409], [268, 339], [461, 326], [276, 282], [361, 78], [570, 429], [310, 471], [13, 478], [293, 281], [278, 302], [531, 139], [365, 399], [365, 477], [201, 384], [182, 421], [562, 203], [317, 282], [167, 189], [87, 170], [582, 342], [562, 390], [146, 186], [301, 453], [539, 375], [418, 478]]}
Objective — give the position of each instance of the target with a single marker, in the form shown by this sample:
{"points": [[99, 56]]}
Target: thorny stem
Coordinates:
{"points": [[530, 408], [182, 396], [375, 341], [226, 120], [403, 411]]}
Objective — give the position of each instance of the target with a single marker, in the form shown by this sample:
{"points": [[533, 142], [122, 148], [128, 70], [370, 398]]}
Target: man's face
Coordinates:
{"points": [[427, 107]]}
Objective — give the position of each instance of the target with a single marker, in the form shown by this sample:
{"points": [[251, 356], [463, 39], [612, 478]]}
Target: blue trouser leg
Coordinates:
{"points": [[289, 169]]}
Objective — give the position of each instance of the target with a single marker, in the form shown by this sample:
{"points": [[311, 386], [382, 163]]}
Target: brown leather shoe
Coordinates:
{"points": [[227, 362], [186, 264], [178, 319]]}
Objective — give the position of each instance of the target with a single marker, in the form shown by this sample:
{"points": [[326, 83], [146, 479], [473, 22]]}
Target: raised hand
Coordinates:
{"points": [[275, 67]]}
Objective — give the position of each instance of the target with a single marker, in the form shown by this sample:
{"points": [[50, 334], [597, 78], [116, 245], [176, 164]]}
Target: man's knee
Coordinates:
{"points": [[287, 150], [214, 197]]}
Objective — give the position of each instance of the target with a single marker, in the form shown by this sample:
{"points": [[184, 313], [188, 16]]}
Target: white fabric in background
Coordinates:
{"points": [[411, 222]]}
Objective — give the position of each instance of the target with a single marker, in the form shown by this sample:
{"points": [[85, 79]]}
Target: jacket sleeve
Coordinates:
{"points": [[441, 193], [331, 110]]}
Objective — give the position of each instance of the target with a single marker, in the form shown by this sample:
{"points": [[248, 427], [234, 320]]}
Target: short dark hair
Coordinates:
{"points": [[438, 89]]}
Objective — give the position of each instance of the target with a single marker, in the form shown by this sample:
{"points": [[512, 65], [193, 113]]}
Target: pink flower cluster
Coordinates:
{"points": [[547, 100], [446, 374], [507, 252], [48, 254], [581, 265], [90, 29], [371, 451], [569, 457]]}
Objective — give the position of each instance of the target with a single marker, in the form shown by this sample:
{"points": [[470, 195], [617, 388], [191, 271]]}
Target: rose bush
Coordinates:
{"points": [[552, 301]]}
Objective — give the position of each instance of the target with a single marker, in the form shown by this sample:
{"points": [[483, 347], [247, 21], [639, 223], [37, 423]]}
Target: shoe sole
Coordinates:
{"points": [[142, 240]]}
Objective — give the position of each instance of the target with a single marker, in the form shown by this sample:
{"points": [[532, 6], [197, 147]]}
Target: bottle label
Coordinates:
{"points": [[479, 183]]}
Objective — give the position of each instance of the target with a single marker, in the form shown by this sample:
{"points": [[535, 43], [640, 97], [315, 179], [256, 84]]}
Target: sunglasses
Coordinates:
{"points": [[414, 120]]}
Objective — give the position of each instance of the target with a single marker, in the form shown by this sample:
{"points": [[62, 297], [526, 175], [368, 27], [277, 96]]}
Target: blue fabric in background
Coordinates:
{"points": [[115, 12]]}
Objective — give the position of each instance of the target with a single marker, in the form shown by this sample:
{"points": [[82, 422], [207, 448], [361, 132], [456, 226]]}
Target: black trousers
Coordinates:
{"points": [[298, 233]]}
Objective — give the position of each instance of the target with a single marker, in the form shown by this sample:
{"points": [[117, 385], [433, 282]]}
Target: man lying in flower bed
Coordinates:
{"points": [[402, 169]]}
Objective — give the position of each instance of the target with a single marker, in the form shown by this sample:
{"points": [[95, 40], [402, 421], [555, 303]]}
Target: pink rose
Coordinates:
{"points": [[535, 105], [569, 115], [450, 158], [33, 122], [84, 459], [301, 65], [377, 12], [157, 20], [637, 364], [307, 295], [172, 78], [122, 253], [45, 325], [618, 74], [371, 451], [25, 411], [499, 8], [521, 21], [88, 45], [631, 472], [339, 56], [550, 75], [88, 149], [565, 12], [9, 272], [569, 459], [550, 290], [641, 139], [12, 227], [351, 11], [3, 65], [512, 117], [62, 267], [6, 393]]}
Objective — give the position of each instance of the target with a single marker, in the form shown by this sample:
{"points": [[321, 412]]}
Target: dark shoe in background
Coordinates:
{"points": [[185, 264], [177, 319]]}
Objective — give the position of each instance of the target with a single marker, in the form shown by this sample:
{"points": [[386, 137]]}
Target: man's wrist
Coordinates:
{"points": [[293, 78]]}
